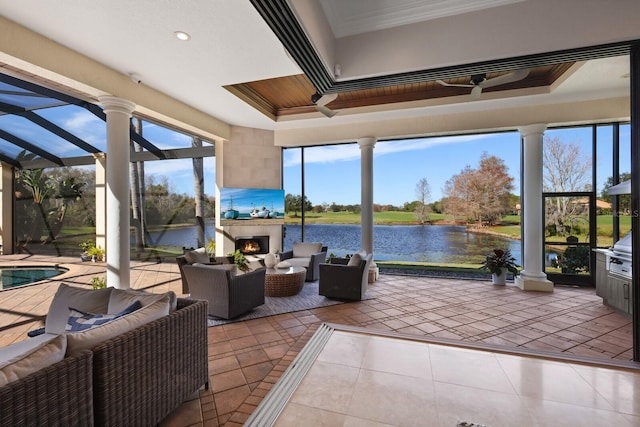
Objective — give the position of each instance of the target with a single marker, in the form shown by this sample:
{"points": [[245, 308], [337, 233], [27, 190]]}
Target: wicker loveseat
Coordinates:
{"points": [[134, 378]]}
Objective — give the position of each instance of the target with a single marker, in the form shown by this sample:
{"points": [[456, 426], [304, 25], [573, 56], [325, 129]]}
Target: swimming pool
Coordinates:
{"points": [[11, 277]]}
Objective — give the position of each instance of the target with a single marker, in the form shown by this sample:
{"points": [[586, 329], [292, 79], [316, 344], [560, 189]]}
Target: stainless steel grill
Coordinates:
{"points": [[619, 258]]}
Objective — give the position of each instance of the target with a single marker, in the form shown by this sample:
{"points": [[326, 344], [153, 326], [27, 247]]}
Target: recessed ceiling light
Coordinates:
{"points": [[181, 35]]}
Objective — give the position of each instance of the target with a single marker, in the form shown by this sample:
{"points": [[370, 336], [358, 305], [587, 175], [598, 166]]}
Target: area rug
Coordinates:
{"points": [[308, 298]]}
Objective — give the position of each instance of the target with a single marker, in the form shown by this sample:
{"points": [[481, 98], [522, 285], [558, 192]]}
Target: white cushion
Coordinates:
{"points": [[197, 255], [123, 298], [26, 357], [77, 341], [85, 299], [301, 250], [355, 260]]}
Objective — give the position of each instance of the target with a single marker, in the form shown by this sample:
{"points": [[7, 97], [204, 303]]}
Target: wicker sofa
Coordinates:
{"points": [[136, 378], [58, 395]]}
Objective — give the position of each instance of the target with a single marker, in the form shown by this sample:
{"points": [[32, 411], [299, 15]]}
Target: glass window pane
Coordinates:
{"points": [[38, 136], [566, 218], [79, 122], [54, 210], [567, 160], [292, 178]]}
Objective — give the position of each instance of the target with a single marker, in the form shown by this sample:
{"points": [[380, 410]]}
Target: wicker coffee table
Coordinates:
{"points": [[284, 282]]}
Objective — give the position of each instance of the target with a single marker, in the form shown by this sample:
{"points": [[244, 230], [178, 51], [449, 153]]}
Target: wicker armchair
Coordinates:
{"points": [[229, 295], [347, 282], [182, 261], [309, 261]]}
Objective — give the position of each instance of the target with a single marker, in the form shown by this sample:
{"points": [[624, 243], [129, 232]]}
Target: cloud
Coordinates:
{"points": [[350, 152]]}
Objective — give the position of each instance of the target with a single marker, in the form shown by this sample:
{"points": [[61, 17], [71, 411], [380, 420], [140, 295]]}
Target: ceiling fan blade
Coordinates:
{"points": [[326, 111], [514, 76], [476, 91], [443, 83], [326, 98]]}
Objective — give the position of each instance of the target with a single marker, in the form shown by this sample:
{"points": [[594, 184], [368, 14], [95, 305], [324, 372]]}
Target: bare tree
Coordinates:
{"points": [[480, 195], [423, 194], [565, 169], [198, 187]]}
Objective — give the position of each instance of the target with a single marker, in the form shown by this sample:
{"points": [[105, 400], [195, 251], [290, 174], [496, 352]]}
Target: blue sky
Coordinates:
{"points": [[333, 172]]}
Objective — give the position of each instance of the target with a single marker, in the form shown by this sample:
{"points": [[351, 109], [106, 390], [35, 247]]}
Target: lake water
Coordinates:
{"points": [[425, 243]]}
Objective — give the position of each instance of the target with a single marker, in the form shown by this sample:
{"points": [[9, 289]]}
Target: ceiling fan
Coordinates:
{"points": [[320, 102], [480, 81]]}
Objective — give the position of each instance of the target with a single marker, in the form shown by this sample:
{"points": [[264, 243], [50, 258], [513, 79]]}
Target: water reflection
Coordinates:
{"points": [[428, 243]]}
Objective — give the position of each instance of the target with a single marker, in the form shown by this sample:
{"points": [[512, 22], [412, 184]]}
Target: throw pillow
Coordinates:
{"points": [[122, 298], [26, 357], [305, 250], [197, 255], [88, 339], [355, 260], [89, 300], [80, 320]]}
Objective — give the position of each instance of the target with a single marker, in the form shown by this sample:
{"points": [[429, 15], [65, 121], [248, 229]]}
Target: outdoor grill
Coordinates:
{"points": [[619, 258]]}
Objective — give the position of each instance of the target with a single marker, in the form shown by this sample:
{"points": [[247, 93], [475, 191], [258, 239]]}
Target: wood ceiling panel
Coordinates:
{"points": [[292, 94]]}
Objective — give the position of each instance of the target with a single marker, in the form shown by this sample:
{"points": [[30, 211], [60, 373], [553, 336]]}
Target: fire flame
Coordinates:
{"points": [[250, 246]]}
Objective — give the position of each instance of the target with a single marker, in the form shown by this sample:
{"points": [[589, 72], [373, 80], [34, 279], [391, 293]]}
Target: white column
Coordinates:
{"points": [[101, 200], [366, 199], [532, 278], [118, 113]]}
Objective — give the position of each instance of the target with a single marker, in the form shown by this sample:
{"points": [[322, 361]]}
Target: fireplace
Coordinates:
{"points": [[253, 245]]}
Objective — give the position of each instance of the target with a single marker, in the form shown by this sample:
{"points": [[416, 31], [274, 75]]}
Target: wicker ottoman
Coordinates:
{"points": [[284, 282]]}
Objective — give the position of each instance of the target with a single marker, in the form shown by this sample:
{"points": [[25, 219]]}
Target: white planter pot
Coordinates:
{"points": [[499, 280]]}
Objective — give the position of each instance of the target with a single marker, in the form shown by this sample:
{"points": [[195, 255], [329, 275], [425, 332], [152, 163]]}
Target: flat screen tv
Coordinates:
{"points": [[244, 206]]}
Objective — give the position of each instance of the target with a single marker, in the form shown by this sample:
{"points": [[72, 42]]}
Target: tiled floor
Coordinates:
{"points": [[362, 379], [247, 358]]}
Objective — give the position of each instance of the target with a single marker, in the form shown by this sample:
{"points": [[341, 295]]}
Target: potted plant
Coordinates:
{"points": [[240, 261], [86, 246], [499, 263]]}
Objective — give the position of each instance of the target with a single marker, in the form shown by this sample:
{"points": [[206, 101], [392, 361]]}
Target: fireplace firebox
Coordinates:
{"points": [[253, 245]]}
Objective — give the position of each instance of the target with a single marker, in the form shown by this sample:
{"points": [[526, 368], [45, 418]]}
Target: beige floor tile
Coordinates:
{"points": [[468, 368], [345, 349], [399, 357], [620, 388], [392, 399], [551, 381], [457, 403], [327, 386], [295, 415], [545, 413]]}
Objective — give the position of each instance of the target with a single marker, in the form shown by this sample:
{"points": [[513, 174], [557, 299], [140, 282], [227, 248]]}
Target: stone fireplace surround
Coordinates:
{"points": [[249, 159]]}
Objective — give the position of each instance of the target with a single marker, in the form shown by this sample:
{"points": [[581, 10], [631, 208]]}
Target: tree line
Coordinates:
{"points": [[483, 195]]}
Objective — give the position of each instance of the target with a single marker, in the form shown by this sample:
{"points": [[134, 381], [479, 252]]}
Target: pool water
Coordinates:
{"points": [[11, 277]]}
